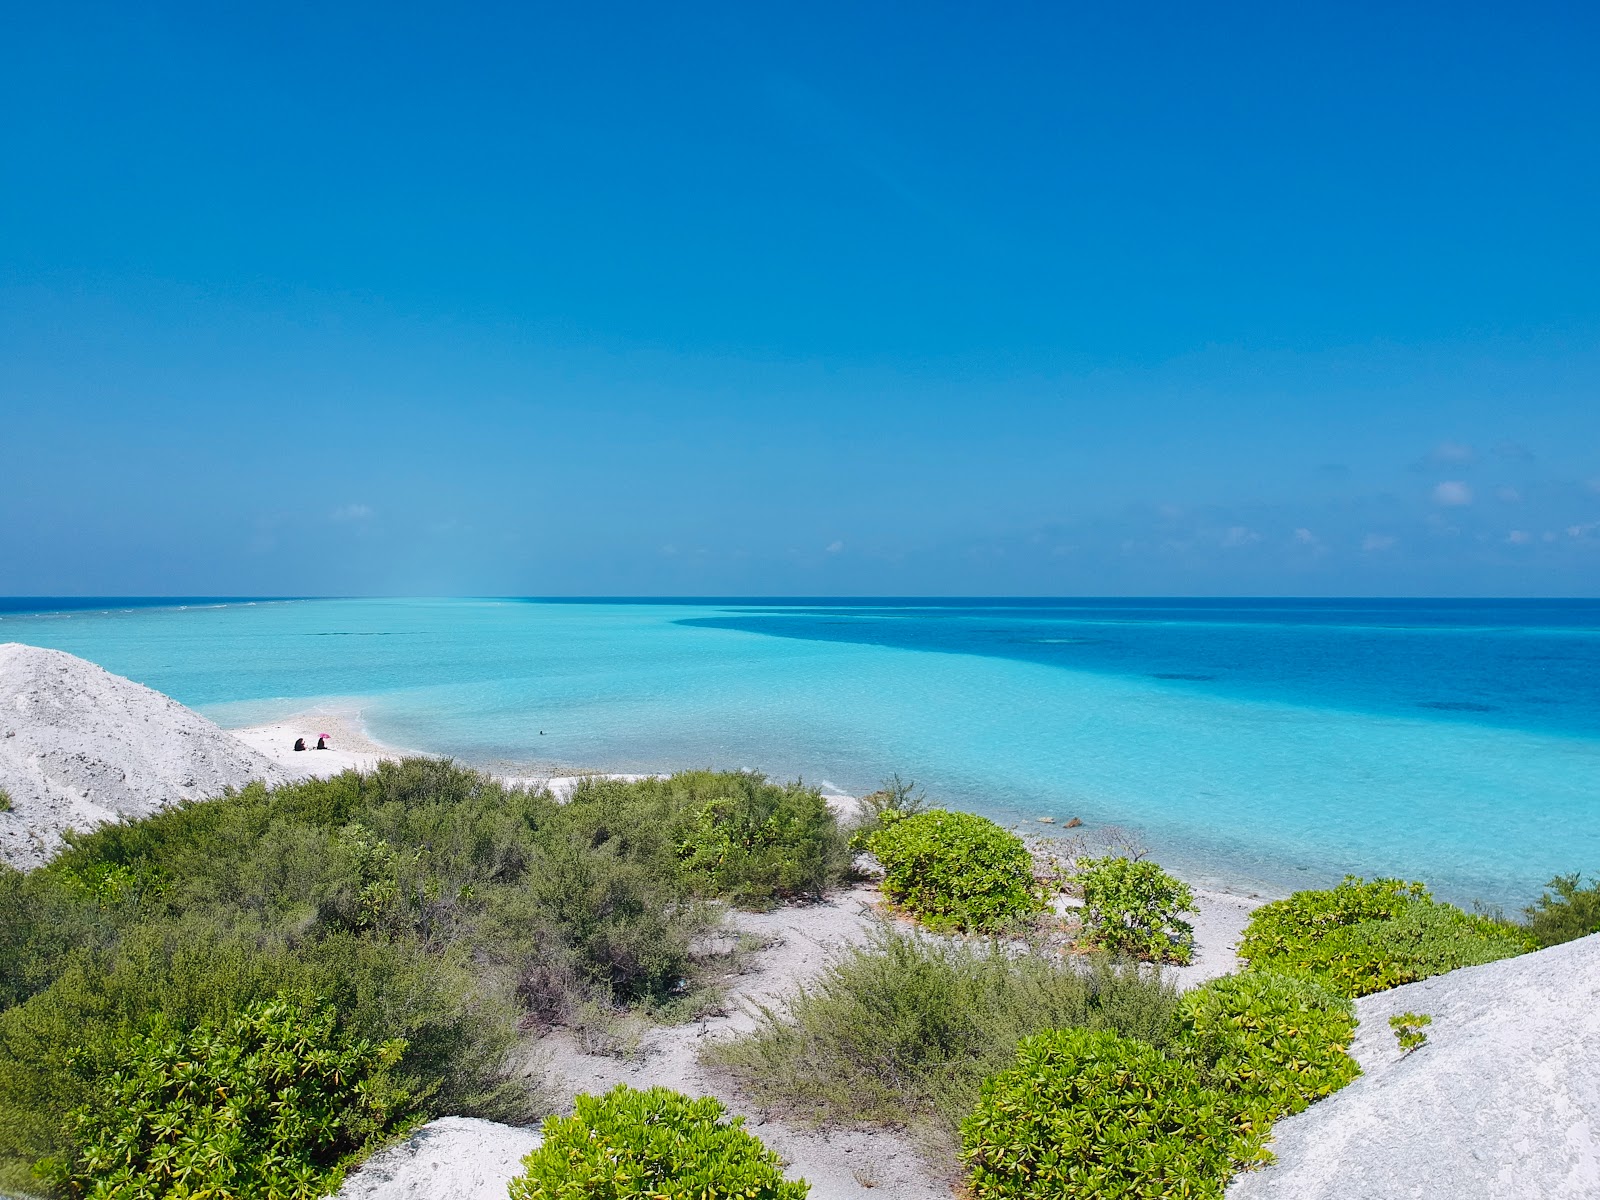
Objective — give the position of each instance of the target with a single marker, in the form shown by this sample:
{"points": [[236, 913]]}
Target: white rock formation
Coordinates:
{"points": [[454, 1158], [80, 746], [1502, 1103]]}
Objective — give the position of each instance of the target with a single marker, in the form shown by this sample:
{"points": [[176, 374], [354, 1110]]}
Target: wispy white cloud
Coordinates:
{"points": [[1453, 452], [834, 547], [1304, 537], [1452, 493], [1519, 537], [1508, 495], [1375, 542], [352, 512], [1239, 535]]}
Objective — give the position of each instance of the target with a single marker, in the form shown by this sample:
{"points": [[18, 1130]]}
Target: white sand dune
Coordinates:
{"points": [[1502, 1103], [453, 1158], [80, 746]]}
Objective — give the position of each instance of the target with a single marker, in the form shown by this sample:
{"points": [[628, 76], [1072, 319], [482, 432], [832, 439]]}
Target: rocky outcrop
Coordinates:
{"points": [[80, 746], [1501, 1103]]}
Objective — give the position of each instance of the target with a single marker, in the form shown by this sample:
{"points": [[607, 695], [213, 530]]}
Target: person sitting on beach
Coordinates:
{"points": [[299, 743], [322, 743]]}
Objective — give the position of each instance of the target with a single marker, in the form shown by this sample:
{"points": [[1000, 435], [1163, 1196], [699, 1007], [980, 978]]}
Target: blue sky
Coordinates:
{"points": [[806, 299]]}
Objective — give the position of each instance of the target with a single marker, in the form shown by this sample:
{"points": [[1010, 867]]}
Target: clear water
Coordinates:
{"points": [[1273, 743]]}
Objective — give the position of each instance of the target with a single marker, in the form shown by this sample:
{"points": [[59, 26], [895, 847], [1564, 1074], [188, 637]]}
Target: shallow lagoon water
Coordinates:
{"points": [[1275, 744]]}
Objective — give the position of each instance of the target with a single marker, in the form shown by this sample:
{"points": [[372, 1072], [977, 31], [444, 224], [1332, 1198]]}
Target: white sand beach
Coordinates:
{"points": [[349, 747]]}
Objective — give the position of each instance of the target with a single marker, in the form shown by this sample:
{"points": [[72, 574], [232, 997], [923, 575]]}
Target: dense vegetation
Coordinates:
{"points": [[1362, 937], [270, 1105], [239, 997], [955, 870], [1272, 1042], [903, 1030], [1086, 1113], [1089, 1113], [1573, 911], [1135, 909], [651, 1145], [422, 905]]}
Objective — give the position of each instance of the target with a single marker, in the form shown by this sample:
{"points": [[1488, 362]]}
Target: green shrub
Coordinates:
{"points": [[728, 834], [1360, 937], [894, 798], [903, 1030], [1408, 1027], [1135, 909], [5, 801], [627, 929], [653, 1145], [1573, 912], [758, 842], [267, 1106], [1087, 1113], [956, 870], [1272, 1043]]}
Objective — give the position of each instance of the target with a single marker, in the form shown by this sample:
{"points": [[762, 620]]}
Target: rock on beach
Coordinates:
{"points": [[80, 746], [1501, 1103]]}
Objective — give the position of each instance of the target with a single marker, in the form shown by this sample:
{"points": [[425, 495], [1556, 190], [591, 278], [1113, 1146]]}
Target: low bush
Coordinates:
{"points": [[626, 931], [1408, 1030], [894, 798], [734, 835], [903, 1030], [1272, 1043], [652, 1145], [1135, 909], [5, 801], [1087, 1113], [956, 870], [1361, 937], [1572, 912], [267, 1106]]}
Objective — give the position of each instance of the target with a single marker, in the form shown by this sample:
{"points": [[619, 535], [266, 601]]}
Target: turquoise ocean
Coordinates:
{"points": [[1273, 744]]}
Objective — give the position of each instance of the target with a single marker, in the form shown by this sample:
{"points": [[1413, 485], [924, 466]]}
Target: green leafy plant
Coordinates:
{"points": [[5, 801], [1362, 937], [1272, 1043], [652, 1145], [1408, 1027], [1135, 909], [759, 842], [902, 1031], [733, 835], [956, 870], [267, 1107], [894, 798], [1572, 912], [1087, 1113]]}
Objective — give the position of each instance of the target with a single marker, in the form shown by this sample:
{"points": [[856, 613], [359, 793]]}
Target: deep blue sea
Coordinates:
{"points": [[1269, 742]]}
